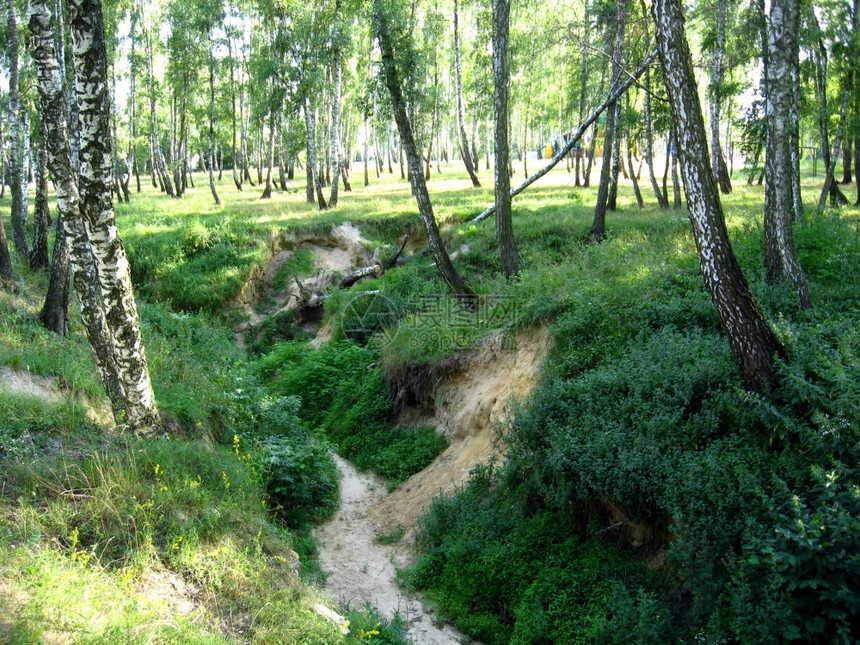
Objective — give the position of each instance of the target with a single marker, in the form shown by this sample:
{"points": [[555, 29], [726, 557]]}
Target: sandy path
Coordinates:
{"points": [[361, 570]]}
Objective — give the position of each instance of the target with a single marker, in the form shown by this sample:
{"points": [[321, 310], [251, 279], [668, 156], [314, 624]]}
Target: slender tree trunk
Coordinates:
{"points": [[17, 150], [638, 193], [676, 184], [617, 164], [847, 150], [212, 127], [646, 115], [132, 101], [54, 315], [237, 178], [781, 259], [85, 17], [830, 186], [820, 59], [857, 122], [267, 191], [718, 163], [4, 163], [598, 226], [751, 339], [434, 239], [461, 113], [508, 255], [795, 145], [159, 165], [363, 156], [335, 106], [5, 258], [313, 173]]}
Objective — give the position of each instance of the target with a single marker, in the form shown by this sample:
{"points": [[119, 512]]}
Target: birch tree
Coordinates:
{"points": [[90, 58], [751, 339], [71, 222], [781, 259], [17, 149], [416, 176]]}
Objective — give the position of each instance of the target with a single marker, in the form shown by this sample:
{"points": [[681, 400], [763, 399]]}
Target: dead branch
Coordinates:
{"points": [[614, 95]]}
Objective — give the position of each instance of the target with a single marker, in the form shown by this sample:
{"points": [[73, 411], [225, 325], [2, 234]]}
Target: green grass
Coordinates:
{"points": [[640, 406]]}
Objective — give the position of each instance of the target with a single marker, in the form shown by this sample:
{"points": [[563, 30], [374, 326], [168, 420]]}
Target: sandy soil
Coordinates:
{"points": [[362, 570]]}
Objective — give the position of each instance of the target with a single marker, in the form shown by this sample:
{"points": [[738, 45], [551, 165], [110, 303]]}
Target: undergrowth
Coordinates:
{"points": [[342, 392]]}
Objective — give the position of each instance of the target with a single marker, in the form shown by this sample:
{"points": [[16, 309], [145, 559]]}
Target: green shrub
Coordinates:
{"points": [[301, 478], [350, 405], [504, 575]]}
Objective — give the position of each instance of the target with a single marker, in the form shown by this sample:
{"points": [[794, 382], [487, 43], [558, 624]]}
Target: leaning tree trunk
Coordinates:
{"points": [[70, 216], [830, 186], [434, 238], [781, 259], [85, 18], [718, 163], [751, 339], [820, 60], [504, 224], [461, 113], [17, 179]]}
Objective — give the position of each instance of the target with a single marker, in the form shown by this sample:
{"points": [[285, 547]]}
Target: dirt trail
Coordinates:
{"points": [[362, 570]]}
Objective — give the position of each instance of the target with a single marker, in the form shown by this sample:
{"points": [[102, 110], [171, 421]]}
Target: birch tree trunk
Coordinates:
{"points": [[416, 177], [335, 105], [781, 259], [461, 112], [17, 152], [267, 190], [718, 163], [830, 187], [141, 412], [314, 184], [5, 258], [70, 217], [212, 188], [132, 101], [508, 255], [751, 339]]}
